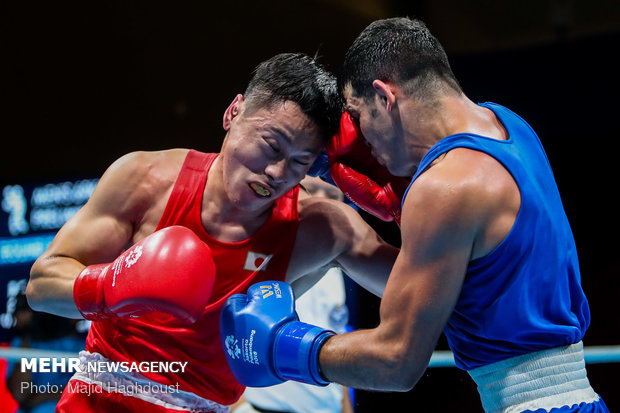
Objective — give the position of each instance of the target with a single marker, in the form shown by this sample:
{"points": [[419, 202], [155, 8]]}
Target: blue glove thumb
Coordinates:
{"points": [[320, 168]]}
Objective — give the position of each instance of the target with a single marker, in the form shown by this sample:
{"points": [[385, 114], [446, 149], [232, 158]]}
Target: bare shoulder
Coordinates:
{"points": [[464, 176], [142, 164], [468, 191], [138, 182], [480, 171]]}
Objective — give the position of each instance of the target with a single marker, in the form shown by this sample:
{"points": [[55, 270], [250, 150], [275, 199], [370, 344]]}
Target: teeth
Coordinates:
{"points": [[260, 190]]}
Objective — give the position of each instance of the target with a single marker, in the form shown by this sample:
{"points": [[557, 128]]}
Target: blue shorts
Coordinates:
{"points": [[594, 407]]}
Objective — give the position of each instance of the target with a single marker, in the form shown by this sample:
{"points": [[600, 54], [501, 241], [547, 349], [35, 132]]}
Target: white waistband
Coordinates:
{"points": [[136, 385], [545, 379]]}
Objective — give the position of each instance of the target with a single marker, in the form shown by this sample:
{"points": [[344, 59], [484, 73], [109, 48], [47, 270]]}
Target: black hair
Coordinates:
{"points": [[399, 50], [298, 78]]}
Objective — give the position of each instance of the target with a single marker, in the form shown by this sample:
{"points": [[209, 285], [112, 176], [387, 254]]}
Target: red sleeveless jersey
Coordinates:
{"points": [[159, 337]]}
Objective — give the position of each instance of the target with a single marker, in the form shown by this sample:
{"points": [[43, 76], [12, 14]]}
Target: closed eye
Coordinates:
{"points": [[274, 147]]}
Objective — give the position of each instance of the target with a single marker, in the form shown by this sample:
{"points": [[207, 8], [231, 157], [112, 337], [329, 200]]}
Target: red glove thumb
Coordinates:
{"points": [[380, 201]]}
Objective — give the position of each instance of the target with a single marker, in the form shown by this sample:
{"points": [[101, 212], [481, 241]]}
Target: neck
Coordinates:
{"points": [[221, 217], [465, 116], [422, 127], [451, 114]]}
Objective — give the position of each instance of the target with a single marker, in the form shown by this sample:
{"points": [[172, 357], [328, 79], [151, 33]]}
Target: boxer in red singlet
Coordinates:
{"points": [[247, 213]]}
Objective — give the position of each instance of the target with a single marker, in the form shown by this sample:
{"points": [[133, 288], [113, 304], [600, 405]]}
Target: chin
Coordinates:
{"points": [[396, 171], [391, 169], [253, 203]]}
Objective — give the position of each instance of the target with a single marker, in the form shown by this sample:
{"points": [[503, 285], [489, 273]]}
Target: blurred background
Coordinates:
{"points": [[85, 82]]}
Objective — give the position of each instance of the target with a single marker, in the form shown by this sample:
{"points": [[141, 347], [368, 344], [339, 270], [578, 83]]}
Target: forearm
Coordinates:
{"points": [[50, 288], [365, 360], [387, 358], [371, 270]]}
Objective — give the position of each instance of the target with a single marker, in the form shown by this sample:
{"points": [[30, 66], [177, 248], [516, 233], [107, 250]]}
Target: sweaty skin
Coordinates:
{"points": [[265, 154], [459, 209]]}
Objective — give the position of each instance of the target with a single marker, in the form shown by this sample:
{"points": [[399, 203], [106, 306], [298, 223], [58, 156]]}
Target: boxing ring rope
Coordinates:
{"points": [[593, 355]]}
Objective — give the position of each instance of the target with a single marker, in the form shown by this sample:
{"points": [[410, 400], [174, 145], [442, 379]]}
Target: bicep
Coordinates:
{"points": [[332, 234], [428, 274], [90, 238], [95, 234], [367, 258], [418, 301], [101, 229], [302, 284]]}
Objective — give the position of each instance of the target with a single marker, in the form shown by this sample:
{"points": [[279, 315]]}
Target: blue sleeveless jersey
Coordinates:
{"points": [[526, 294]]}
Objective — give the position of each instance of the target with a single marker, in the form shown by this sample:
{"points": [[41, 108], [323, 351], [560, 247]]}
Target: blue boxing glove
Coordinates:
{"points": [[264, 341], [320, 167]]}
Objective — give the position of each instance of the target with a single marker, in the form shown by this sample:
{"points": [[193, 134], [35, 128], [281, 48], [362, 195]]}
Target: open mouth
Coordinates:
{"points": [[260, 190]]}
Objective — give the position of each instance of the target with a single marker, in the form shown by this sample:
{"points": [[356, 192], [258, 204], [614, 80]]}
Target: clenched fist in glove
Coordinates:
{"points": [[360, 177], [170, 271], [264, 341]]}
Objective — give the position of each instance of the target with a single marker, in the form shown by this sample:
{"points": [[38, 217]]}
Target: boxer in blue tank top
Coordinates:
{"points": [[535, 268], [487, 253]]}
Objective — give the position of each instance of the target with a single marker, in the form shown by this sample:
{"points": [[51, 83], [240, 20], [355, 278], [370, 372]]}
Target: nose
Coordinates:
{"points": [[276, 171]]}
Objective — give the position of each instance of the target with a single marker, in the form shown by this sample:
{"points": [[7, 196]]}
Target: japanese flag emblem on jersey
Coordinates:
{"points": [[256, 261]]}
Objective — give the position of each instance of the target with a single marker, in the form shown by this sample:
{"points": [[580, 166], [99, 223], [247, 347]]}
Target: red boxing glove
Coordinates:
{"points": [[170, 271], [360, 176]]}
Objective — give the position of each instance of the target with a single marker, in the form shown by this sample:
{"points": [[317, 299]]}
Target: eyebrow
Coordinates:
{"points": [[280, 132], [288, 140]]}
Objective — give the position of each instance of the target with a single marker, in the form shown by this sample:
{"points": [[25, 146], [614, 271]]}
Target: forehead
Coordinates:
{"points": [[287, 121]]}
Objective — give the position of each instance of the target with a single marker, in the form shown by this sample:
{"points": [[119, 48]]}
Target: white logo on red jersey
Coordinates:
{"points": [[256, 261]]}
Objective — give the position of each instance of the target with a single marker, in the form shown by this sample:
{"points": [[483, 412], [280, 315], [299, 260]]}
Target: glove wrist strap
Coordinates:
{"points": [[88, 292], [296, 352]]}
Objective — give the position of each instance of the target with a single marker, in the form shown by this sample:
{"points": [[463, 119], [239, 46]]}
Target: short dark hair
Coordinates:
{"points": [[298, 78], [399, 50]]}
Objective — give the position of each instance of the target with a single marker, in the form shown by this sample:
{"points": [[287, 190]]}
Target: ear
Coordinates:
{"points": [[385, 91], [232, 111]]}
